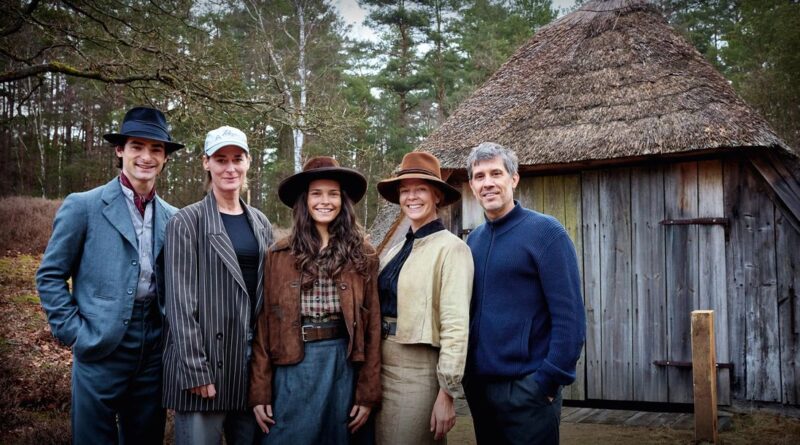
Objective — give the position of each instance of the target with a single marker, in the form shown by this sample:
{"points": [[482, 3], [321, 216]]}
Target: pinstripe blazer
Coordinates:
{"points": [[208, 330]]}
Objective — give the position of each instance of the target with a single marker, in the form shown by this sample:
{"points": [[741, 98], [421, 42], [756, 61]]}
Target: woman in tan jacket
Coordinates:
{"points": [[425, 285], [318, 333]]}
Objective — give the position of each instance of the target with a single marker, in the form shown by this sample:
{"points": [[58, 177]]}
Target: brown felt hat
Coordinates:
{"points": [[419, 165], [322, 167]]}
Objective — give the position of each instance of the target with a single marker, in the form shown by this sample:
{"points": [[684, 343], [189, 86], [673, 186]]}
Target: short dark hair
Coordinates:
{"points": [[122, 147]]}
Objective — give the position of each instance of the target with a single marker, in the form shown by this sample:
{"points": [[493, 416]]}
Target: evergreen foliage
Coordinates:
{"points": [[287, 73]]}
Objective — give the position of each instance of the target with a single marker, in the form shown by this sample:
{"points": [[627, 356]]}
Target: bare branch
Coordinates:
{"points": [[20, 20], [58, 67]]}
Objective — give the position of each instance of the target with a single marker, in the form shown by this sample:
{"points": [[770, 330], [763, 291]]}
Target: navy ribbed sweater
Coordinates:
{"points": [[527, 312]]}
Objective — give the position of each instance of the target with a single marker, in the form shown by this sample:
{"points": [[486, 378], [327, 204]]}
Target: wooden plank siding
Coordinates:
{"points": [[616, 300], [572, 223], [787, 254], [712, 293], [649, 285], [680, 191], [590, 196], [560, 197], [752, 254], [471, 210], [734, 264], [642, 279]]}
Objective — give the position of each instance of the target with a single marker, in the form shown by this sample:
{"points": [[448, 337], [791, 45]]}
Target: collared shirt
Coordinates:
{"points": [[387, 280], [140, 201], [143, 225], [320, 300]]}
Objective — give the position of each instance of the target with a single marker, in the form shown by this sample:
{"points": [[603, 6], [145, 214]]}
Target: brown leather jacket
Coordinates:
{"points": [[278, 339]]}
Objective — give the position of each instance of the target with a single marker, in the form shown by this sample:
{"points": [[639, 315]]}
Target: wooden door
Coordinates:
{"points": [[650, 258]]}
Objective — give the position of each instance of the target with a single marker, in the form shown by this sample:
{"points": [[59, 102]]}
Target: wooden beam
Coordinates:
{"points": [[719, 220], [704, 377], [784, 185]]}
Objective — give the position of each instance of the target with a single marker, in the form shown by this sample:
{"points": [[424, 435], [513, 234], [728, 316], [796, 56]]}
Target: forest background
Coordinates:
{"points": [[290, 74]]}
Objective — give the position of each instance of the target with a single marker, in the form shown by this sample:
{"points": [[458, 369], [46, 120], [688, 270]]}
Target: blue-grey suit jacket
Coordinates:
{"points": [[94, 244]]}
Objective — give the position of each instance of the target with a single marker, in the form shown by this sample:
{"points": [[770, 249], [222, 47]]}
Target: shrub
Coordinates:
{"points": [[27, 223]]}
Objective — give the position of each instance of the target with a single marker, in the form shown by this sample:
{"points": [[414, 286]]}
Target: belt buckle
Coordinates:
{"points": [[303, 330], [386, 329]]}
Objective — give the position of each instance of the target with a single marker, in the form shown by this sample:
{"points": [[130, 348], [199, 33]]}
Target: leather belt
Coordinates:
{"points": [[323, 331], [388, 327]]}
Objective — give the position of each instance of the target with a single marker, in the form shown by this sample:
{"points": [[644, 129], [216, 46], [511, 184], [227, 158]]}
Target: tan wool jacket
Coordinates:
{"points": [[433, 294]]}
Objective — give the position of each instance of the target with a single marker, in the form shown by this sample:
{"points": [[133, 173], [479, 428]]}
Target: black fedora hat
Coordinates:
{"points": [[147, 123], [322, 167]]}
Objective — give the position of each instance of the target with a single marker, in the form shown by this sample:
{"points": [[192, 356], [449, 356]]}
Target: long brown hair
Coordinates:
{"points": [[345, 245]]}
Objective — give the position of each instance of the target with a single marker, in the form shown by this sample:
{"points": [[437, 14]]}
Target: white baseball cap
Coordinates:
{"points": [[224, 136]]}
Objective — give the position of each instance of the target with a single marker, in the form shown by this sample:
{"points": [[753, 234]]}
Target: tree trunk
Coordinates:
{"points": [[302, 83]]}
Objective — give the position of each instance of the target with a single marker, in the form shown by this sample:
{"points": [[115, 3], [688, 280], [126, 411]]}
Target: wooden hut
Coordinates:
{"points": [[677, 195]]}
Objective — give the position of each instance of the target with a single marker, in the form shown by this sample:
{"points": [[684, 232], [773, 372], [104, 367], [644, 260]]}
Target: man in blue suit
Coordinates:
{"points": [[108, 240]]}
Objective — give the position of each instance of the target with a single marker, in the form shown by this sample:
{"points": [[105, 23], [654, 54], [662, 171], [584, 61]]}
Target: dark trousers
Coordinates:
{"points": [[117, 399], [208, 428], [512, 412]]}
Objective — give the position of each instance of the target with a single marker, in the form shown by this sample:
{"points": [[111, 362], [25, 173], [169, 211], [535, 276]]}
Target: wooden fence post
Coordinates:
{"points": [[704, 377]]}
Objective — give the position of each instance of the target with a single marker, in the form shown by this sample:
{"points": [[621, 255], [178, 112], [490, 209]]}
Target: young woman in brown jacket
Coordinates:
{"points": [[315, 373]]}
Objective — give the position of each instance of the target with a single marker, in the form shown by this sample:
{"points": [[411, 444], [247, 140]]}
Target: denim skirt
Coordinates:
{"points": [[311, 401]]}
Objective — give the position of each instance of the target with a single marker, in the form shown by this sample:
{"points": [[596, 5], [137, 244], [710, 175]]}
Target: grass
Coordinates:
{"points": [[17, 271], [34, 368], [27, 223]]}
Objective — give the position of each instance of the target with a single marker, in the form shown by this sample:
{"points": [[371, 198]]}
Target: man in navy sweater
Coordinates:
{"points": [[527, 324]]}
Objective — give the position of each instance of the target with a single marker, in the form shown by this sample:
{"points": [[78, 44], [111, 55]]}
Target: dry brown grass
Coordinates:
{"points": [[34, 368], [27, 223]]}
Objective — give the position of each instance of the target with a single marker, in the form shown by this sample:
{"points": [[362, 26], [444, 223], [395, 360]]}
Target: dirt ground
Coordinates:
{"points": [[35, 373], [747, 429]]}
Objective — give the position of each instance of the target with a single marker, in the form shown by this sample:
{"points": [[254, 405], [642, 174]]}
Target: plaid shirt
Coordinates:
{"points": [[320, 302]]}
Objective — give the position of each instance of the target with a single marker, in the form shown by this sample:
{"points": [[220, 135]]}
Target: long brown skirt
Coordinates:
{"points": [[410, 388]]}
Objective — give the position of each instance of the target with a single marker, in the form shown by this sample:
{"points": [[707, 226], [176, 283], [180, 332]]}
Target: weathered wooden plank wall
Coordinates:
{"points": [[560, 197], [734, 264], [615, 284], [471, 211], [572, 223], [590, 195], [680, 191], [642, 279], [754, 300], [711, 242], [787, 254], [649, 285], [672, 270]]}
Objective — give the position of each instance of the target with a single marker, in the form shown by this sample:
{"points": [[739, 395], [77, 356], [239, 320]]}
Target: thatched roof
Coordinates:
{"points": [[387, 217], [611, 80]]}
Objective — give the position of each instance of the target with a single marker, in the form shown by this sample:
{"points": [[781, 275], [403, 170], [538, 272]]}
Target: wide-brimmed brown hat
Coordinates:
{"points": [[322, 167], [419, 165]]}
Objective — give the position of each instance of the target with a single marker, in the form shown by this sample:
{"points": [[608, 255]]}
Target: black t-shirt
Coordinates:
{"points": [[246, 247]]}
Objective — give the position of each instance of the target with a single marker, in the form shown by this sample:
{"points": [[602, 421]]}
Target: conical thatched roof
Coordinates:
{"points": [[610, 80]]}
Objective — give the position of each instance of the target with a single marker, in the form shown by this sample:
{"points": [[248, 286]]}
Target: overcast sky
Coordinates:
{"points": [[353, 15]]}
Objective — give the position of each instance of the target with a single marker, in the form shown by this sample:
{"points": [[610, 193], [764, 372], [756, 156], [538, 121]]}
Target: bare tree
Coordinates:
{"points": [[150, 47], [286, 35]]}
